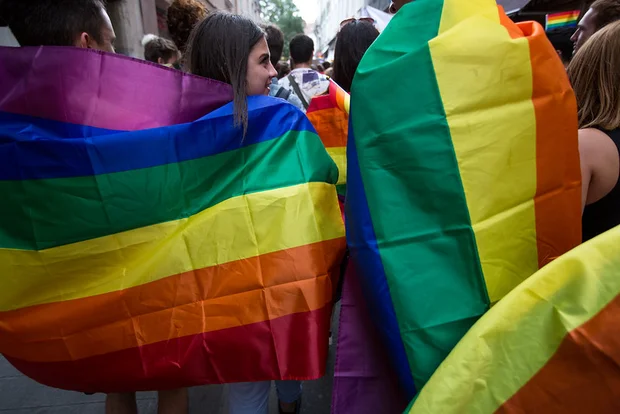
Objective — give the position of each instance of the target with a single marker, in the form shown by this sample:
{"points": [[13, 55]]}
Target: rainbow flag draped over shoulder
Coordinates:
{"points": [[144, 242], [462, 181], [550, 346], [329, 115]]}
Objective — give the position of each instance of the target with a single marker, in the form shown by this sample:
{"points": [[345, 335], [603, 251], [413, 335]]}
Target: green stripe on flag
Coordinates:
{"points": [[414, 190], [68, 210]]}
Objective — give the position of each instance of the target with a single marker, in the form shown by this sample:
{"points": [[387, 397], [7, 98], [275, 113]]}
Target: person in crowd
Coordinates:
{"points": [[233, 49], [327, 64], [354, 39], [329, 72], [397, 4], [303, 80], [183, 16], [283, 69], [79, 23], [595, 75], [83, 24], [600, 14], [320, 68], [275, 41], [560, 39], [159, 50]]}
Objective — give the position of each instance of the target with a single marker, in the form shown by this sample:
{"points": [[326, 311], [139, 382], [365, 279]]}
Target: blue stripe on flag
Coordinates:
{"points": [[35, 148], [365, 254]]}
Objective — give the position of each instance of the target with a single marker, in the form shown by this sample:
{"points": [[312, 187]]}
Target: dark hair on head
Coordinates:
{"points": [[156, 48], [275, 41], [53, 22], [560, 39], [320, 68], [352, 42], [607, 11], [302, 49], [183, 16], [283, 69], [327, 65], [219, 48]]}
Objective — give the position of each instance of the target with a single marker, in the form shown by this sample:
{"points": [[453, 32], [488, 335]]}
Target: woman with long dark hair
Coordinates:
{"points": [[233, 49], [354, 39], [595, 75]]}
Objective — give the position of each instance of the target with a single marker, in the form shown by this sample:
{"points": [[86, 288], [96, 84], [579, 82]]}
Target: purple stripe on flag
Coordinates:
{"points": [[102, 90], [364, 383]]}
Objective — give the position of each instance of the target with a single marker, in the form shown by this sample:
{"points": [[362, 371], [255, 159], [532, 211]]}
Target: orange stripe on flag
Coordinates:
{"points": [[225, 296], [513, 30], [557, 155], [582, 374], [331, 125]]}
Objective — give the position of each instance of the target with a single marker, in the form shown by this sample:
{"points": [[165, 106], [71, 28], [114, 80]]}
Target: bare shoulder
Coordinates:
{"points": [[600, 164], [595, 144]]}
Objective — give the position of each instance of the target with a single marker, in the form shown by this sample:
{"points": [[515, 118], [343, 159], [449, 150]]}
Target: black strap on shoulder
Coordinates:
{"points": [[297, 90], [283, 93]]}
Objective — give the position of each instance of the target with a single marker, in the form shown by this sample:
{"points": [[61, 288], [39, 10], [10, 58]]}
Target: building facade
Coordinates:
{"points": [[333, 12], [249, 8], [132, 19]]}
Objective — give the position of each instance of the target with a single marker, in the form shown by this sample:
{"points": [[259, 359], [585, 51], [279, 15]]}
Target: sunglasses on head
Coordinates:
{"points": [[353, 19]]}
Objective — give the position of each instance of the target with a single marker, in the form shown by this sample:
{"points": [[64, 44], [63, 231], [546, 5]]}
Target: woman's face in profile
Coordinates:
{"points": [[260, 70]]}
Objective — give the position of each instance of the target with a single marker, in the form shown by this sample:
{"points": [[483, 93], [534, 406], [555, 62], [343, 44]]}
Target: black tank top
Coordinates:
{"points": [[604, 214]]}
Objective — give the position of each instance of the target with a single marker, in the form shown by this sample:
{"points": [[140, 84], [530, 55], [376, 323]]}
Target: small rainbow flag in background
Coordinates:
{"points": [[550, 346], [562, 20], [464, 180], [145, 244], [329, 115]]}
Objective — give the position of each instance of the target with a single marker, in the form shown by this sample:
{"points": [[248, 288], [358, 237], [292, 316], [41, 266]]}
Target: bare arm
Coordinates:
{"points": [[600, 165]]}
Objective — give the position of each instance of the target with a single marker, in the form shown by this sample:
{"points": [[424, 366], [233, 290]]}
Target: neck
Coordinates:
{"points": [[305, 65]]}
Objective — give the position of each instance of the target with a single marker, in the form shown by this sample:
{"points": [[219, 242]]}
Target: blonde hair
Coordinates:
{"points": [[595, 75]]}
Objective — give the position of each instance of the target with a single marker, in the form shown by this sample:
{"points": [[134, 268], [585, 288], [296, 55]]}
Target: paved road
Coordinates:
{"points": [[21, 395]]}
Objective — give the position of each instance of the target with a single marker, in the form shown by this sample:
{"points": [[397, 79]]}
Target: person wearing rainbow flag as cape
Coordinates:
{"points": [[463, 199], [153, 235]]}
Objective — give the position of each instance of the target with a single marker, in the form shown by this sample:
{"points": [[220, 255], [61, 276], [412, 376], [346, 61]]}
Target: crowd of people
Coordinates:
{"points": [[236, 50]]}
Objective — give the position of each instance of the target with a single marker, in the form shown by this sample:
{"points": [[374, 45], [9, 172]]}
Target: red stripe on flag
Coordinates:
{"points": [[291, 347], [563, 15]]}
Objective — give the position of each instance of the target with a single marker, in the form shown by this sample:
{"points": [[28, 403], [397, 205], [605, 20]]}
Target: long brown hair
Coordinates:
{"points": [[218, 48], [595, 75]]}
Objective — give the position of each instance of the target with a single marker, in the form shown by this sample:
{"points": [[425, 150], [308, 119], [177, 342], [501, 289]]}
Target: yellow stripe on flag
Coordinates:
{"points": [[339, 155], [497, 160], [236, 229]]}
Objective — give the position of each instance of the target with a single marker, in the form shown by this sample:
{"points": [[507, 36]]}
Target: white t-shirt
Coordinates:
{"points": [[311, 83]]}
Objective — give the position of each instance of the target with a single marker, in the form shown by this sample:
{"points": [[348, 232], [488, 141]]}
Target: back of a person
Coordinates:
{"points": [[354, 39], [310, 82], [305, 82], [594, 73], [604, 214]]}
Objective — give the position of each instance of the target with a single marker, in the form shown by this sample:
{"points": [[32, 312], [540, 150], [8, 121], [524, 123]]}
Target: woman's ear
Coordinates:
{"points": [[160, 61]]}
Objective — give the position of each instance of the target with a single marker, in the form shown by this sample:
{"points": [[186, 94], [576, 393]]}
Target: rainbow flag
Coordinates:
{"points": [[464, 180], [329, 114], [550, 346], [145, 243], [562, 20]]}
